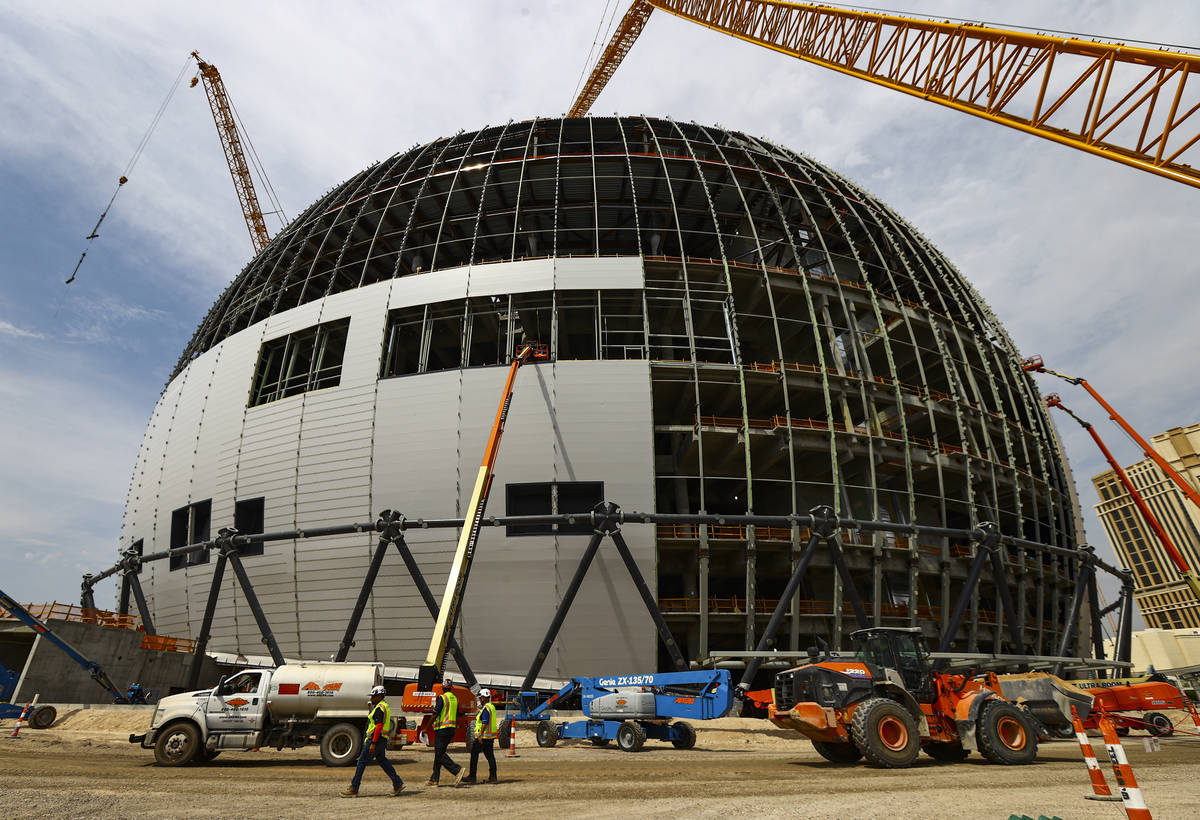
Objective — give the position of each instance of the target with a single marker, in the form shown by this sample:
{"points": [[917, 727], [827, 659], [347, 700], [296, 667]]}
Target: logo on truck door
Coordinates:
{"points": [[236, 703]]}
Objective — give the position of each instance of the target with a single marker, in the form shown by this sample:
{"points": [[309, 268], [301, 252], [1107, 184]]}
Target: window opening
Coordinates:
{"points": [[190, 525], [249, 516], [310, 359]]}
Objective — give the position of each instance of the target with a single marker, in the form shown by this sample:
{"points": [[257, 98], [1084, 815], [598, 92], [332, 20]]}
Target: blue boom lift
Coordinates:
{"points": [[631, 708], [42, 716]]}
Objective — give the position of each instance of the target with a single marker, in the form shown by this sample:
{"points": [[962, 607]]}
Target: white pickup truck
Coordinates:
{"points": [[288, 707]]}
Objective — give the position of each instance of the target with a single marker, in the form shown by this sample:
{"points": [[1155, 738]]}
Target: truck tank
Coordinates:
{"points": [[323, 690]]}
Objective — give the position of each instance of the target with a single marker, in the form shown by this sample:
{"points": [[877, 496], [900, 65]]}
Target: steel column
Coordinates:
{"points": [[361, 604], [964, 598], [664, 631], [143, 610], [210, 609], [568, 598], [1081, 585], [235, 560], [767, 641], [839, 560]]}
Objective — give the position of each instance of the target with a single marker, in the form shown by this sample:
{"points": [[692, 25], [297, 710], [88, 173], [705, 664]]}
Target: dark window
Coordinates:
{"points": [[248, 516], [190, 525], [310, 359], [552, 498]]}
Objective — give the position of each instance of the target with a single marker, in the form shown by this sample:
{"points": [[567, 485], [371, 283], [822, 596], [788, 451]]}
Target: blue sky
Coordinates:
{"points": [[1088, 263]]}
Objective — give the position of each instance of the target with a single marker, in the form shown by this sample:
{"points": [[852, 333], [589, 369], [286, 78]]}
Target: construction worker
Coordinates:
{"points": [[487, 729], [375, 741], [445, 718]]}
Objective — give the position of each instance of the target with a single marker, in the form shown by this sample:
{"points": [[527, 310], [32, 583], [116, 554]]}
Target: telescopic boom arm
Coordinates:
{"points": [[91, 667], [1189, 575], [1036, 365], [435, 660]]}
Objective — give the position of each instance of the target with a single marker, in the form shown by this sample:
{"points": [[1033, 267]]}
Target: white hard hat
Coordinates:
{"points": [[485, 693], [378, 690]]}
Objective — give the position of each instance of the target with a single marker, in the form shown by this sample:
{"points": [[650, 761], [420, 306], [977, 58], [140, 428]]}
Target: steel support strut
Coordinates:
{"points": [[606, 521], [87, 600], [229, 550], [1081, 587], [964, 598], [388, 525], [767, 641], [664, 631], [1124, 646], [210, 609], [991, 542], [135, 586]]}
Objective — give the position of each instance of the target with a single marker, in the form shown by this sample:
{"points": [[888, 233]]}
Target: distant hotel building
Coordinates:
{"points": [[1161, 594]]}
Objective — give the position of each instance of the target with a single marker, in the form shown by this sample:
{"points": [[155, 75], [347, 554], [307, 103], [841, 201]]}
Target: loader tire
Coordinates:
{"points": [[630, 736], [506, 732], [885, 733], [952, 752], [177, 744], [687, 735], [837, 752], [1157, 724], [547, 734], [341, 745], [42, 717], [1005, 734]]}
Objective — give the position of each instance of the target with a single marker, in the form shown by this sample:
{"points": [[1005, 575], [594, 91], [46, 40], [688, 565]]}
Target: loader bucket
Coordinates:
{"points": [[1046, 697]]}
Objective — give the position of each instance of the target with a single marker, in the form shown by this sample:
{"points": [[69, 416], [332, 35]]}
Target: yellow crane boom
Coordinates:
{"points": [[218, 101], [1128, 104]]}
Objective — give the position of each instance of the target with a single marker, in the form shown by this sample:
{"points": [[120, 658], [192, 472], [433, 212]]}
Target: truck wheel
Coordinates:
{"points": [[506, 732], [837, 752], [177, 744], [1005, 734], [885, 733], [547, 734], [203, 755], [630, 736], [1157, 724], [952, 752], [42, 717], [687, 735], [341, 745]]}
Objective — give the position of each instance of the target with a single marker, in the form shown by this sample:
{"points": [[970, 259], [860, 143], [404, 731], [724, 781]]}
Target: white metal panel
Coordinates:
{"points": [[298, 318], [423, 288], [367, 309], [592, 273], [511, 277]]}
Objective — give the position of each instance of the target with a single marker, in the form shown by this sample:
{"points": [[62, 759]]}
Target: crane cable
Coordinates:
{"points": [[596, 40], [268, 188], [137, 153]]}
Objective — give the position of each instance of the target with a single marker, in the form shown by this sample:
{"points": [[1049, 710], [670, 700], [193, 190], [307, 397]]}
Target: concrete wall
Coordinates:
{"points": [[57, 678]]}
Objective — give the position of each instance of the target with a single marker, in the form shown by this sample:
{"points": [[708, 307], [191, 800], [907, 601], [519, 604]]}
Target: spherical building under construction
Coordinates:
{"points": [[732, 328]]}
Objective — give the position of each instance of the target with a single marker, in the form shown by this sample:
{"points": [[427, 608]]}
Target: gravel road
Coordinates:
{"points": [[84, 767]]}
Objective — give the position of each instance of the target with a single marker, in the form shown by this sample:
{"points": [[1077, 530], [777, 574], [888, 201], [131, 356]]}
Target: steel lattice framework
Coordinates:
{"points": [[1131, 105]]}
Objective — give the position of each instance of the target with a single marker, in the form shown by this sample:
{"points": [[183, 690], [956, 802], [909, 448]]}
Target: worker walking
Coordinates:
{"points": [[487, 729], [445, 718], [375, 741]]}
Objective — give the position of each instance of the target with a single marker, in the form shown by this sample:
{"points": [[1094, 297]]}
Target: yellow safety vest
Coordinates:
{"points": [[387, 720], [448, 717], [491, 729]]}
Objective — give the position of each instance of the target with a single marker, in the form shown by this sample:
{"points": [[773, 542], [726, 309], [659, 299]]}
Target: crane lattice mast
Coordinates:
{"points": [[1128, 104], [218, 100]]}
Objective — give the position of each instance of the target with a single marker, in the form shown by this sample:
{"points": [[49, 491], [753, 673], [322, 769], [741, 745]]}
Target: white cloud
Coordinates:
{"points": [[9, 329]]}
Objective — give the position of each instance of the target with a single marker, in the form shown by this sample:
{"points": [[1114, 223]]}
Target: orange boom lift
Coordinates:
{"points": [[1035, 364]]}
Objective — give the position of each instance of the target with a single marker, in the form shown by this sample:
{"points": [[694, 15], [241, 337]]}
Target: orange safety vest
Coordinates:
{"points": [[491, 729], [448, 717]]}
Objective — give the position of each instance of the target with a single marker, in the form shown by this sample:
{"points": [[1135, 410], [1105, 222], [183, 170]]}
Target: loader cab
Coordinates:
{"points": [[901, 649]]}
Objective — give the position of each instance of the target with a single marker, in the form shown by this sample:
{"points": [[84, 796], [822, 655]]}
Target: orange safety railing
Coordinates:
{"points": [[164, 644], [102, 617], [83, 615]]}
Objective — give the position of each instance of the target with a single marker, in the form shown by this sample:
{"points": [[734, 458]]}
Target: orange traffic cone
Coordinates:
{"points": [[1100, 789], [1135, 805], [512, 739]]}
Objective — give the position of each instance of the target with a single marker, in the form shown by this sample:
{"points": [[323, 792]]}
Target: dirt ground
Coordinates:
{"points": [[85, 767]]}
